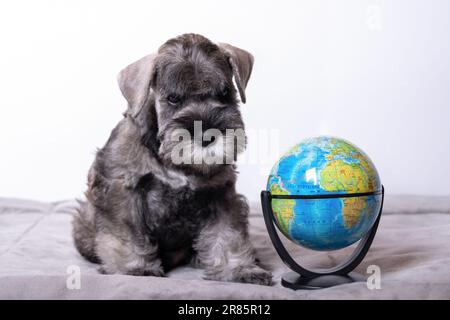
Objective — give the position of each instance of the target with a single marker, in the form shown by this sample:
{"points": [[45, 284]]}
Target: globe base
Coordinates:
{"points": [[295, 281]]}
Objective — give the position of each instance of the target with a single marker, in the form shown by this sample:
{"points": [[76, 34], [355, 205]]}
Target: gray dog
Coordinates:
{"points": [[147, 211]]}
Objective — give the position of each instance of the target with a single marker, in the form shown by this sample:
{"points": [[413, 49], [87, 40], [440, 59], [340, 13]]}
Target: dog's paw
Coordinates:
{"points": [[102, 270], [152, 270], [250, 274], [255, 275]]}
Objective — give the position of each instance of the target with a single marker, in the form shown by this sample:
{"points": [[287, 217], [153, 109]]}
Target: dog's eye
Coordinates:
{"points": [[173, 99], [225, 92]]}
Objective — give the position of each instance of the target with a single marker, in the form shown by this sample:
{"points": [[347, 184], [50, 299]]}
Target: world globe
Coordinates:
{"points": [[326, 193]]}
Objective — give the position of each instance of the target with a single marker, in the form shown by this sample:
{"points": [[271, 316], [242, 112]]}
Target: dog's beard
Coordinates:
{"points": [[180, 149]]}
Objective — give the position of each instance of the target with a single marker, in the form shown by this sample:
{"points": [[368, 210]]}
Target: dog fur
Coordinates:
{"points": [[144, 213]]}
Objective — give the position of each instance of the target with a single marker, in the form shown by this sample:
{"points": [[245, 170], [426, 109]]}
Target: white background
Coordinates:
{"points": [[373, 72]]}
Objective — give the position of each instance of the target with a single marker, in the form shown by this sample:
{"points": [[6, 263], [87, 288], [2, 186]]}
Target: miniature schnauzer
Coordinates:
{"points": [[154, 201]]}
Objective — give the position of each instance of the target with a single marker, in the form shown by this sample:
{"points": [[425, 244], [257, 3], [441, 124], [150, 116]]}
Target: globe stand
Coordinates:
{"points": [[302, 278], [295, 281]]}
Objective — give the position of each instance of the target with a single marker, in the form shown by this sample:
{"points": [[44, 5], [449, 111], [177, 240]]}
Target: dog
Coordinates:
{"points": [[147, 211]]}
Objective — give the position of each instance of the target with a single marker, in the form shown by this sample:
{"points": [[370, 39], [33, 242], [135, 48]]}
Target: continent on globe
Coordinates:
{"points": [[284, 209], [320, 166]]}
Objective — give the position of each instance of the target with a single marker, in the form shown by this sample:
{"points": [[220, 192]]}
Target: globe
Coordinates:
{"points": [[335, 176]]}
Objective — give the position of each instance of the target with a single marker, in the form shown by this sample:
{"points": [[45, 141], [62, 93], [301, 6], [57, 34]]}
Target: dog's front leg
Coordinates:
{"points": [[224, 249], [120, 256], [123, 243]]}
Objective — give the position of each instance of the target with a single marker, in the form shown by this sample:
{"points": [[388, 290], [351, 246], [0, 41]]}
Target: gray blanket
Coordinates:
{"points": [[411, 248]]}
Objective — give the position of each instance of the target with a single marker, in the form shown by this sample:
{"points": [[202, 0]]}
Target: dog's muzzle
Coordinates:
{"points": [[204, 140]]}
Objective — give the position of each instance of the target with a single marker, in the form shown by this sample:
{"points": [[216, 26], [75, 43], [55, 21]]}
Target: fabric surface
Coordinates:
{"points": [[411, 248]]}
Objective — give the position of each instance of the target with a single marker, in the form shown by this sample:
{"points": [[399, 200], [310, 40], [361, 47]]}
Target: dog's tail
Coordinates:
{"points": [[83, 232]]}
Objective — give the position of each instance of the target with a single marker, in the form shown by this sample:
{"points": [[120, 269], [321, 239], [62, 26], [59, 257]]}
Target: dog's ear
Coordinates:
{"points": [[135, 81], [241, 62]]}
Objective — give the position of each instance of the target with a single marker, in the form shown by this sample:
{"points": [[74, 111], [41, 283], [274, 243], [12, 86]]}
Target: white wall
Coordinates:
{"points": [[374, 72]]}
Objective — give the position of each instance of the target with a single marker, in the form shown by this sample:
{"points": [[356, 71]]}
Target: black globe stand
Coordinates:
{"points": [[302, 278]]}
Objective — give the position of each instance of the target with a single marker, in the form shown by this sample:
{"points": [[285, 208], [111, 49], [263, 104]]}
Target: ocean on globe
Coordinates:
{"points": [[319, 166]]}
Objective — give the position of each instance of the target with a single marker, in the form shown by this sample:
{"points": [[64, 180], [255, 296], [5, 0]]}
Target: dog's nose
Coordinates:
{"points": [[206, 143], [197, 130]]}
